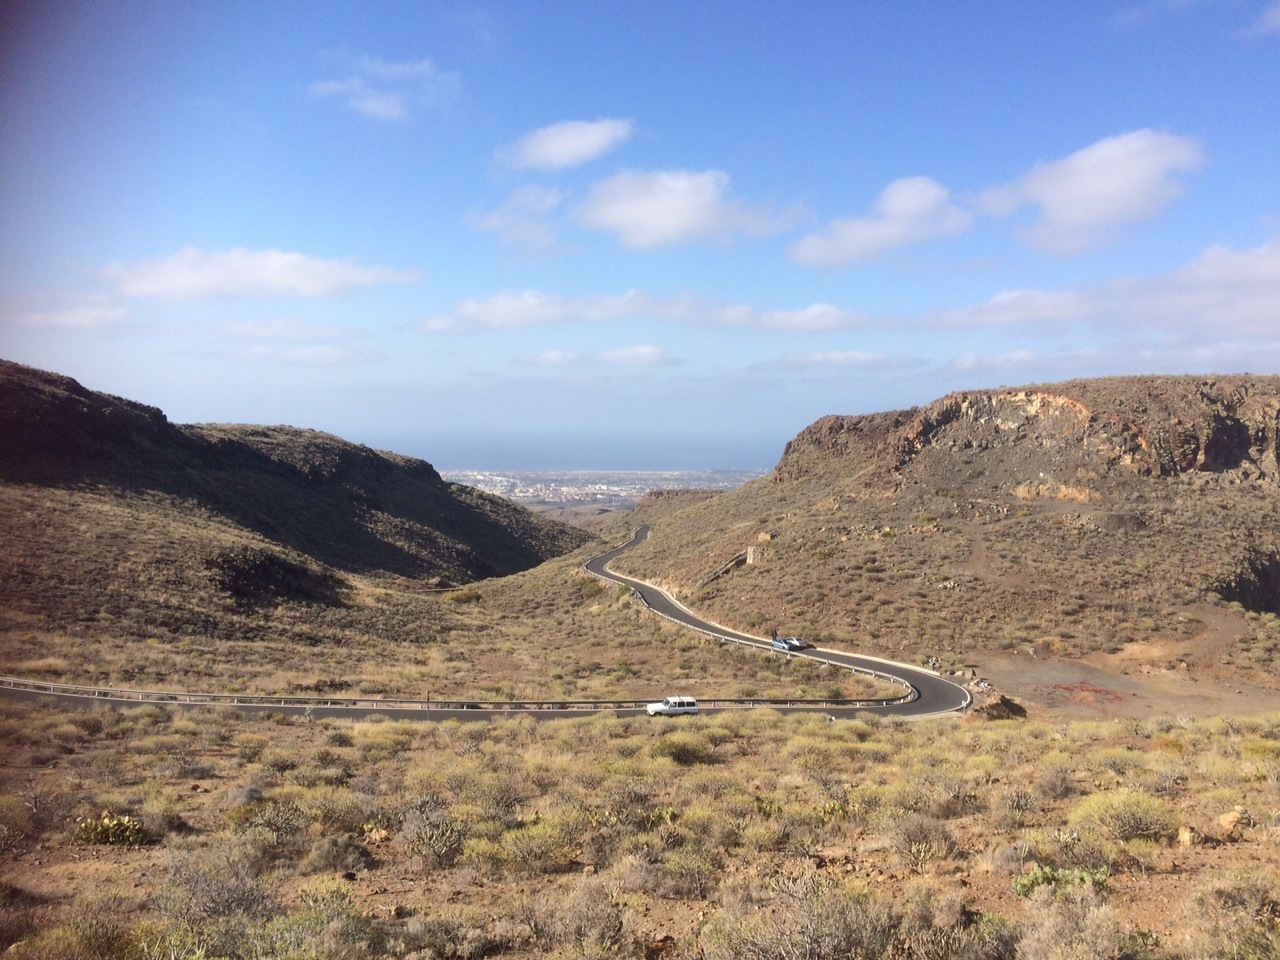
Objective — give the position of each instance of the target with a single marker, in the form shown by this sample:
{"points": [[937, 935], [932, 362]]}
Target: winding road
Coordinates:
{"points": [[931, 695], [925, 693]]}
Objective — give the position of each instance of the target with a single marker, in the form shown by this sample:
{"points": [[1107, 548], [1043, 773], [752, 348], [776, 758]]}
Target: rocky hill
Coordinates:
{"points": [[1139, 516], [112, 514]]}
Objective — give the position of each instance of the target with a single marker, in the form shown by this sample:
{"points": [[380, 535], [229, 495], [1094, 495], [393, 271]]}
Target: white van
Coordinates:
{"points": [[672, 706]]}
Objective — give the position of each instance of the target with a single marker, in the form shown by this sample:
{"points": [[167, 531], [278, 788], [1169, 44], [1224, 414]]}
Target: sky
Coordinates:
{"points": [[630, 235]]}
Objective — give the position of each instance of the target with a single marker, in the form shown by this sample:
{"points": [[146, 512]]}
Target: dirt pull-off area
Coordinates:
{"points": [[1078, 689]]}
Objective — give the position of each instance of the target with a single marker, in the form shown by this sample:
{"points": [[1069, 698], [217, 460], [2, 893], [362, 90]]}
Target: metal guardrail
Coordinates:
{"points": [[373, 704], [912, 692]]}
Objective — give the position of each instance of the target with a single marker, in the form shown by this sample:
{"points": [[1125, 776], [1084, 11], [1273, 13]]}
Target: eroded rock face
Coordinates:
{"points": [[1069, 434]]}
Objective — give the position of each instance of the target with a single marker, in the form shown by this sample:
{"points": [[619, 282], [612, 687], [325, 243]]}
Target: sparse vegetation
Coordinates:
{"points": [[158, 832], [856, 836]]}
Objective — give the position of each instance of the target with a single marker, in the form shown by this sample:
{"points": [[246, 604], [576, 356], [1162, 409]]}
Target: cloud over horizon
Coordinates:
{"points": [[644, 355], [192, 274], [530, 308]]}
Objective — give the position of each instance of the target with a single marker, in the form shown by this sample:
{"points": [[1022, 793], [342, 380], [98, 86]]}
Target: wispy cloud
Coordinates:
{"points": [[522, 219], [1268, 22], [192, 274], [295, 342], [650, 209], [284, 329], [570, 143], [638, 356], [1221, 290], [910, 210], [83, 317], [529, 308], [836, 359], [1083, 198], [390, 91], [1021, 307]]}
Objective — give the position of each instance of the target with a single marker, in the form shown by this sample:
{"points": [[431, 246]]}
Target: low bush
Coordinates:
{"points": [[1126, 814], [433, 836], [920, 840], [113, 829], [1059, 879], [686, 749]]}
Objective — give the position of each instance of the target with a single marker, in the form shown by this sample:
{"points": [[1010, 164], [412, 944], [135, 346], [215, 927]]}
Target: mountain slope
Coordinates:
{"points": [[346, 506], [1135, 515]]}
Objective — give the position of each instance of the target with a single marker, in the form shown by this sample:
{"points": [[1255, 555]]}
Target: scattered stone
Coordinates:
{"points": [[661, 948], [1233, 821], [1001, 708]]}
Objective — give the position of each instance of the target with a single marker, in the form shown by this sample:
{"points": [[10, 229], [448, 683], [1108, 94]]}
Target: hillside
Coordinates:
{"points": [[1132, 521], [344, 505], [121, 526]]}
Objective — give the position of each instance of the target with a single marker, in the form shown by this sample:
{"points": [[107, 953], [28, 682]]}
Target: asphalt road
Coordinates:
{"points": [[934, 694]]}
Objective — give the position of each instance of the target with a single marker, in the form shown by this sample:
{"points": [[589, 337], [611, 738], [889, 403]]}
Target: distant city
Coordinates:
{"points": [[613, 490]]}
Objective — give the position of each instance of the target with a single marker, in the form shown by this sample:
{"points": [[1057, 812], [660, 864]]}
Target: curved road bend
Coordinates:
{"points": [[935, 694]]}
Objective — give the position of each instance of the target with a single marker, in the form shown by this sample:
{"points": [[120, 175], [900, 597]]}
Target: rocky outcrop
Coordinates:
{"points": [[1148, 426]]}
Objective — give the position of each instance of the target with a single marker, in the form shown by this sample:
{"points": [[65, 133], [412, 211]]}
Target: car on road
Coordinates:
{"points": [[789, 643], [672, 706]]}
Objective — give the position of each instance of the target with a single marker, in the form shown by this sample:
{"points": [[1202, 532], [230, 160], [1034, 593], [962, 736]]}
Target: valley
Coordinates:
{"points": [[1094, 560]]}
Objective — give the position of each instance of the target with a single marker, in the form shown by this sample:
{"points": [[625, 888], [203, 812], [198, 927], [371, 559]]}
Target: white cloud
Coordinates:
{"points": [[530, 308], [649, 209], [85, 317], [567, 144], [642, 356], [521, 220], [192, 274], [1222, 291], [1084, 198], [1021, 306], [910, 210], [841, 359], [971, 361], [389, 91], [639, 356], [817, 316]]}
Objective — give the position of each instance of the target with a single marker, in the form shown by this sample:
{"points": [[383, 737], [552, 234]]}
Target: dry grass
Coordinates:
{"points": [[857, 832]]}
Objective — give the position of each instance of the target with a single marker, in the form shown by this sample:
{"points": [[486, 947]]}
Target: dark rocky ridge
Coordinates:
{"points": [[344, 505]]}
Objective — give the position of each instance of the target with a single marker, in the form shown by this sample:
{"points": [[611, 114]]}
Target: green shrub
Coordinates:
{"points": [[1126, 814], [15, 821], [685, 749], [113, 829], [249, 746], [1059, 879], [433, 837], [919, 840]]}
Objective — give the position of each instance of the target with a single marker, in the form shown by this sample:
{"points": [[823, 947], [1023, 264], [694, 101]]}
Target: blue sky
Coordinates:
{"points": [[630, 235]]}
